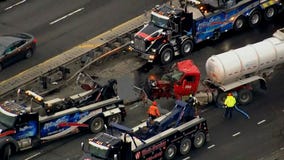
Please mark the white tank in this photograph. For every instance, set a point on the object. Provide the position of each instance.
(249, 60)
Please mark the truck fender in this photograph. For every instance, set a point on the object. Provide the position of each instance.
(162, 47)
(113, 115)
(111, 112)
(9, 140)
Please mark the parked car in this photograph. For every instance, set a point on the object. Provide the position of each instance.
(14, 47)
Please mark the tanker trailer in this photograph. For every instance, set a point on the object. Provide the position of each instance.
(237, 69)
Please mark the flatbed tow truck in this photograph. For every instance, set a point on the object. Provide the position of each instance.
(27, 125)
(176, 132)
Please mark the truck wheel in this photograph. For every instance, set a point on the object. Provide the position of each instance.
(239, 23)
(199, 139)
(167, 55)
(244, 96)
(29, 54)
(254, 18)
(269, 13)
(6, 152)
(97, 125)
(221, 99)
(170, 152)
(116, 118)
(186, 47)
(185, 146)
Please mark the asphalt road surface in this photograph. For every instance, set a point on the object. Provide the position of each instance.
(60, 25)
(256, 138)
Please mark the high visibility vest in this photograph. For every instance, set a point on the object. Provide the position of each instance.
(230, 101)
(154, 111)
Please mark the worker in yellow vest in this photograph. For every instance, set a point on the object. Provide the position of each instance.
(229, 103)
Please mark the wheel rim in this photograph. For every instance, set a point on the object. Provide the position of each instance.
(187, 48)
(185, 146)
(171, 152)
(255, 19)
(29, 54)
(239, 23)
(244, 97)
(199, 139)
(167, 56)
(270, 12)
(114, 119)
(97, 124)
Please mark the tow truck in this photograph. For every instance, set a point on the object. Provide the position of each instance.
(174, 29)
(176, 132)
(27, 125)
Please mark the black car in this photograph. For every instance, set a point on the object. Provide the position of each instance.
(15, 47)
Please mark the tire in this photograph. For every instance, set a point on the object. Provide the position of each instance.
(244, 96)
(170, 152)
(221, 99)
(254, 19)
(199, 139)
(6, 152)
(216, 35)
(239, 23)
(97, 124)
(116, 118)
(1, 67)
(167, 55)
(185, 146)
(29, 54)
(186, 47)
(269, 13)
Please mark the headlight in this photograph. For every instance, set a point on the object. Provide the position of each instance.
(153, 50)
(132, 42)
(152, 57)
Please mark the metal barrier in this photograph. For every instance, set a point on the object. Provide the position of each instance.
(96, 50)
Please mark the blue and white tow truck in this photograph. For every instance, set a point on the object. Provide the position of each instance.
(175, 28)
(27, 125)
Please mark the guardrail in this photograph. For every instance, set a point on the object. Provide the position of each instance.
(98, 49)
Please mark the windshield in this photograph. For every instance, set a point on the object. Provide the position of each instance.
(6, 118)
(160, 21)
(173, 76)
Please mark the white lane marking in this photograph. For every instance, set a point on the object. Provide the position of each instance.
(33, 156)
(186, 158)
(262, 121)
(18, 3)
(67, 15)
(238, 133)
(282, 148)
(213, 145)
(133, 107)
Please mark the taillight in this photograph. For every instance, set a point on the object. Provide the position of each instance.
(35, 40)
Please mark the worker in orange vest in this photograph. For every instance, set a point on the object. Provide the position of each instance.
(153, 110)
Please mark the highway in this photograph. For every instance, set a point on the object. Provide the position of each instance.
(58, 26)
(236, 139)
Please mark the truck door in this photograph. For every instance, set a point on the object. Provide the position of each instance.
(185, 86)
(26, 126)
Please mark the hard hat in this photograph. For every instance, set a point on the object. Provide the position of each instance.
(154, 103)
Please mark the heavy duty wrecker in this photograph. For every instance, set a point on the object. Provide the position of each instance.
(174, 29)
(24, 126)
(164, 138)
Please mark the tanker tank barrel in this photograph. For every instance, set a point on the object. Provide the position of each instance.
(252, 59)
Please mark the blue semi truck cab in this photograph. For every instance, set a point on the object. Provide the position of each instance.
(175, 28)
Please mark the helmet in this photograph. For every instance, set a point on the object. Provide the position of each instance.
(154, 103)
